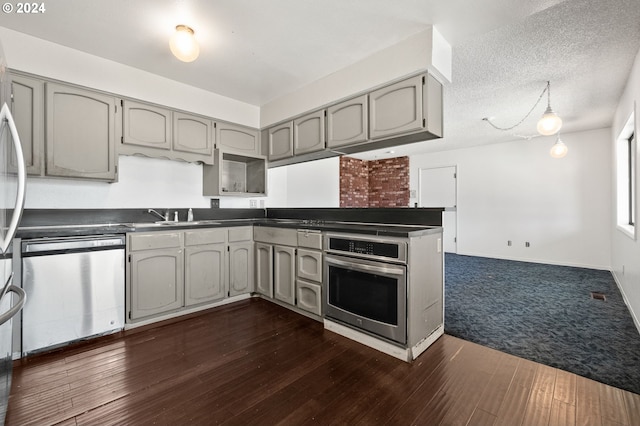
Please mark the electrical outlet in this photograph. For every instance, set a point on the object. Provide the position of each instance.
(215, 203)
(253, 204)
(509, 243)
(527, 244)
(412, 193)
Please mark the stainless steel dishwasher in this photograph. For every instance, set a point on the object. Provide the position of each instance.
(75, 287)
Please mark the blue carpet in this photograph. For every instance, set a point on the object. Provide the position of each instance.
(544, 313)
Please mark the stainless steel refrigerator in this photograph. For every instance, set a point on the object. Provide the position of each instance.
(12, 190)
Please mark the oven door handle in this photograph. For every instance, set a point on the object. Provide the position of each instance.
(384, 270)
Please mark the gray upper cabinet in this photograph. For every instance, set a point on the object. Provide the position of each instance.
(396, 109)
(28, 111)
(146, 125)
(280, 142)
(80, 133)
(308, 133)
(347, 122)
(237, 139)
(192, 134)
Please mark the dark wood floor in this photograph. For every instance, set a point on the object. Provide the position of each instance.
(254, 362)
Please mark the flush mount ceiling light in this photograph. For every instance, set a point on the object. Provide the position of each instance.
(559, 149)
(183, 44)
(549, 124)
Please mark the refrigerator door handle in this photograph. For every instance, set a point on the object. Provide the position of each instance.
(5, 116)
(9, 287)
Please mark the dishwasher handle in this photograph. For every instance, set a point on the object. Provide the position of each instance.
(41, 246)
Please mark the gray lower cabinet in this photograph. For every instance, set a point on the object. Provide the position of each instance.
(308, 133)
(348, 122)
(284, 274)
(80, 133)
(309, 265)
(170, 270)
(27, 107)
(155, 273)
(241, 268)
(205, 273)
(264, 269)
(237, 139)
(280, 141)
(309, 272)
(309, 296)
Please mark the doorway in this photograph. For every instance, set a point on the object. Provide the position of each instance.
(438, 188)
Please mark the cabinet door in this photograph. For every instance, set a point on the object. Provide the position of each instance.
(309, 296)
(192, 134)
(309, 265)
(308, 133)
(238, 139)
(264, 269)
(284, 273)
(205, 268)
(240, 268)
(157, 283)
(348, 122)
(146, 125)
(80, 129)
(28, 111)
(396, 108)
(281, 141)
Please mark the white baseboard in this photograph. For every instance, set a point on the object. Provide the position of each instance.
(636, 322)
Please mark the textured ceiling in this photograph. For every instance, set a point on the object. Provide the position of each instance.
(256, 50)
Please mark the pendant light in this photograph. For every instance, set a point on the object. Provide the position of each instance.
(559, 149)
(183, 44)
(549, 124)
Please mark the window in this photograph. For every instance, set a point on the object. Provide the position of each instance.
(626, 152)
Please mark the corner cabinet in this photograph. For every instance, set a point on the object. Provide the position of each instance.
(80, 133)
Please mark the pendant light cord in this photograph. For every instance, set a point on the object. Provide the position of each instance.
(546, 90)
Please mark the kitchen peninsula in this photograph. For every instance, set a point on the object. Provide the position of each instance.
(282, 255)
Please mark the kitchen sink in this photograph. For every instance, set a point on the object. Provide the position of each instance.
(169, 224)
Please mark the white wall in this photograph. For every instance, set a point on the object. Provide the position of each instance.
(142, 182)
(311, 184)
(516, 191)
(625, 251)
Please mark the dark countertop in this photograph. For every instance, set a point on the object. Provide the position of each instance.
(390, 230)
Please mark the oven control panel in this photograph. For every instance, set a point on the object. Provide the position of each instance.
(389, 250)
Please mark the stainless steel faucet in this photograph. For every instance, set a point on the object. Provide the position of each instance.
(164, 217)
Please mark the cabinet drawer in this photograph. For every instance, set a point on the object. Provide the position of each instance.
(241, 233)
(310, 239)
(309, 265)
(155, 240)
(205, 236)
(282, 236)
(309, 297)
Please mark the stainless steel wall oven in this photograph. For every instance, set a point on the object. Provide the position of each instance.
(366, 284)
